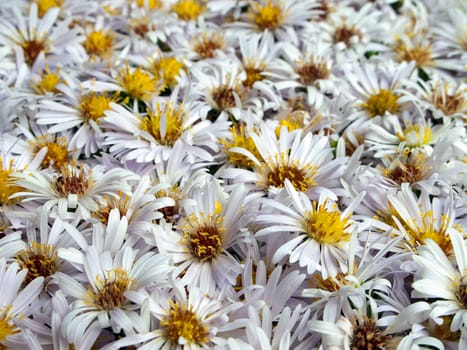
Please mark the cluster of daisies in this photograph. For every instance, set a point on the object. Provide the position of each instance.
(233, 174)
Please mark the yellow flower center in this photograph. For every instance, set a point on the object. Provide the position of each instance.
(345, 33)
(167, 69)
(292, 122)
(443, 331)
(420, 53)
(48, 82)
(138, 84)
(207, 44)
(417, 135)
(39, 259)
(410, 169)
(57, 150)
(204, 239)
(326, 225)
(165, 124)
(311, 71)
(73, 179)
(266, 17)
(274, 173)
(184, 323)
(110, 292)
(7, 185)
(45, 5)
(253, 74)
(188, 10)
(93, 106)
(151, 4)
(449, 104)
(224, 97)
(109, 202)
(7, 327)
(367, 336)
(99, 43)
(32, 49)
(240, 138)
(381, 102)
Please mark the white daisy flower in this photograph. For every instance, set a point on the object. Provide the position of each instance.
(46, 37)
(320, 232)
(201, 245)
(279, 17)
(15, 305)
(151, 137)
(418, 219)
(305, 160)
(105, 296)
(182, 319)
(443, 281)
(80, 111)
(76, 187)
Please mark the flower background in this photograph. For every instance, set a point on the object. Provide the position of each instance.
(272, 174)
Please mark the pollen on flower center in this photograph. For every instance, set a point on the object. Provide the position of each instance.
(253, 74)
(152, 4)
(165, 124)
(292, 122)
(429, 230)
(110, 292)
(188, 10)
(207, 44)
(204, 240)
(326, 225)
(32, 49)
(72, 180)
(312, 70)
(45, 5)
(94, 105)
(7, 327)
(275, 173)
(184, 323)
(421, 54)
(138, 83)
(449, 104)
(48, 81)
(121, 203)
(417, 135)
(381, 102)
(39, 259)
(167, 69)
(7, 185)
(57, 150)
(241, 139)
(461, 295)
(345, 33)
(99, 43)
(224, 97)
(267, 17)
(367, 336)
